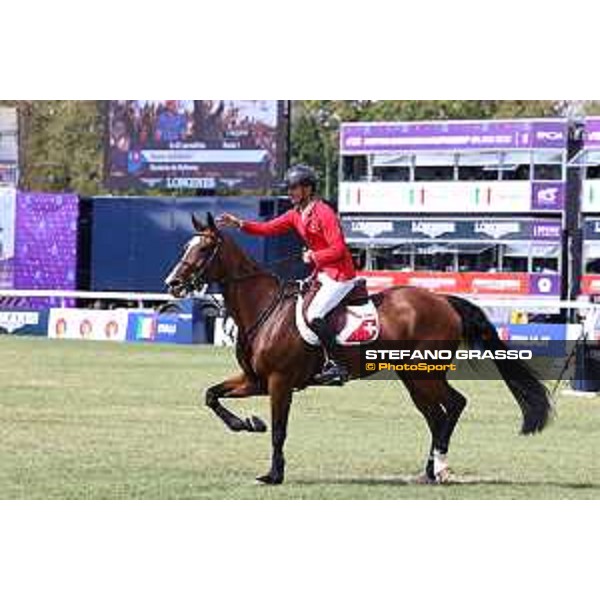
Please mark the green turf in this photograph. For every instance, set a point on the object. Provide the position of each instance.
(102, 420)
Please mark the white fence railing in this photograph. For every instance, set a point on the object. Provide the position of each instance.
(138, 297)
(512, 303)
(530, 304)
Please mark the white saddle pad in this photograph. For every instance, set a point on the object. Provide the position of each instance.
(362, 325)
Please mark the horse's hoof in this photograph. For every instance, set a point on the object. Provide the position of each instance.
(237, 425)
(443, 476)
(424, 479)
(256, 424)
(270, 479)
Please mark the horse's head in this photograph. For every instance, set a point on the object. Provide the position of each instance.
(199, 263)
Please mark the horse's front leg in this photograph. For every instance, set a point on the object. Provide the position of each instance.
(240, 386)
(280, 391)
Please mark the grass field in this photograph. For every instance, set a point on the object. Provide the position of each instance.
(101, 420)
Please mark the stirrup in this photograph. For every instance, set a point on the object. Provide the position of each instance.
(332, 374)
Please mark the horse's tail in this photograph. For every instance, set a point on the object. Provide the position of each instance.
(531, 394)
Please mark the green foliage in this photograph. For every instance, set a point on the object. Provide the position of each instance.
(590, 107)
(62, 145)
(306, 141)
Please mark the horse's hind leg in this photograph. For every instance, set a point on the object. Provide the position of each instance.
(454, 405)
(440, 405)
(240, 386)
(280, 390)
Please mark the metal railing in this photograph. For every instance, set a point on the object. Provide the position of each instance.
(63, 295)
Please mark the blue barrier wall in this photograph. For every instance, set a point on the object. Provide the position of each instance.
(136, 241)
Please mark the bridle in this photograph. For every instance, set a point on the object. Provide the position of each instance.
(197, 283)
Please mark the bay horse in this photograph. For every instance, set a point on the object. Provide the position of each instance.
(275, 360)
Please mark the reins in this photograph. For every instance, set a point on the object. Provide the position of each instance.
(196, 283)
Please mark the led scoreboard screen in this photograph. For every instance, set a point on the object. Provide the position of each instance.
(195, 144)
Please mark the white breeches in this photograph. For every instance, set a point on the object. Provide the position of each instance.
(329, 295)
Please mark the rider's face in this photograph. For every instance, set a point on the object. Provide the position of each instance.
(300, 193)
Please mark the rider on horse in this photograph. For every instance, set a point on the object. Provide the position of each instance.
(317, 224)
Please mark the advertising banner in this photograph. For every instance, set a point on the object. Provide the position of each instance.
(590, 197)
(534, 332)
(591, 229)
(225, 332)
(24, 322)
(147, 326)
(548, 195)
(82, 324)
(546, 230)
(141, 326)
(450, 197)
(590, 285)
(470, 283)
(591, 138)
(394, 231)
(452, 135)
(544, 284)
(545, 339)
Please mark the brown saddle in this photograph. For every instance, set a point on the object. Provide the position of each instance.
(336, 319)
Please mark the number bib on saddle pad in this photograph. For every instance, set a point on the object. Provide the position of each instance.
(355, 321)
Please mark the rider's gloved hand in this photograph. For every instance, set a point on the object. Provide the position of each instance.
(229, 220)
(307, 257)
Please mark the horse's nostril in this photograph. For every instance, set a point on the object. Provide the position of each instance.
(176, 288)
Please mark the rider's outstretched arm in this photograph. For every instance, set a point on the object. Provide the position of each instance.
(275, 226)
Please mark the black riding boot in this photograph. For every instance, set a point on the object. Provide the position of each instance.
(332, 372)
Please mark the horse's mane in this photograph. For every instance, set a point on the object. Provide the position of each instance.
(245, 259)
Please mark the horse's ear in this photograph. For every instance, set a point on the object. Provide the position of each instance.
(211, 221)
(198, 225)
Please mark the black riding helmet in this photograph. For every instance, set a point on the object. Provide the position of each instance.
(301, 175)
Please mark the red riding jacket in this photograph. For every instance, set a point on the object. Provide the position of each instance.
(320, 230)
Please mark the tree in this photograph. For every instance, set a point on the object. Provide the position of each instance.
(62, 145)
(588, 107)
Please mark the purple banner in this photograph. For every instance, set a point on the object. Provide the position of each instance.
(548, 195)
(389, 137)
(46, 243)
(546, 230)
(544, 284)
(591, 139)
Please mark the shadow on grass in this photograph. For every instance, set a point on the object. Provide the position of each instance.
(455, 481)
